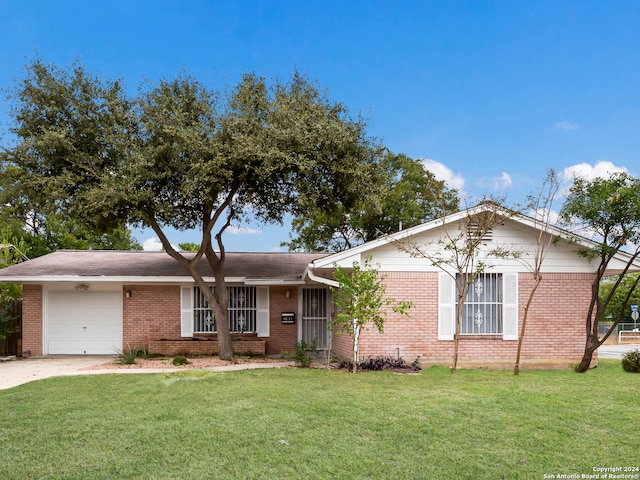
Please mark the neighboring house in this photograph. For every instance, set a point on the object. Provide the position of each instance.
(97, 302)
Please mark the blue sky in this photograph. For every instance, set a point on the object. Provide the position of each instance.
(490, 93)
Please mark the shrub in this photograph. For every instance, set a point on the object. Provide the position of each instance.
(180, 360)
(128, 357)
(383, 363)
(631, 361)
(302, 353)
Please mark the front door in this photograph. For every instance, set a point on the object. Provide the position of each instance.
(315, 317)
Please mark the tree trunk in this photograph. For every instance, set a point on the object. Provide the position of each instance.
(356, 345)
(590, 347)
(516, 367)
(225, 344)
(456, 336)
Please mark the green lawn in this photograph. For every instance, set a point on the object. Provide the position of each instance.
(301, 423)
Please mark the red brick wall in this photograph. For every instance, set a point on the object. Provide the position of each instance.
(282, 337)
(151, 313)
(555, 328)
(31, 320)
(189, 346)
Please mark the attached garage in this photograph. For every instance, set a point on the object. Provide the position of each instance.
(81, 322)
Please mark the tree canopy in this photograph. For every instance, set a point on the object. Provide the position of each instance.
(181, 154)
(65, 132)
(408, 195)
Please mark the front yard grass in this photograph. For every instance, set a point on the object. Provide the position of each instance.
(316, 424)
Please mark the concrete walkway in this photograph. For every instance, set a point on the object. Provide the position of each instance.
(20, 371)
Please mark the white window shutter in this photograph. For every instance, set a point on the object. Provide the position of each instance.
(446, 306)
(510, 306)
(262, 313)
(186, 311)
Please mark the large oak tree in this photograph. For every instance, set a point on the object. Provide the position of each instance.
(181, 154)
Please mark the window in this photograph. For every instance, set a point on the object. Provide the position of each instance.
(241, 311)
(482, 309)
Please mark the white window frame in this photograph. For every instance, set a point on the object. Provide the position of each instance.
(190, 304)
(482, 312)
(447, 307)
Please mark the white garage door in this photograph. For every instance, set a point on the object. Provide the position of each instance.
(86, 323)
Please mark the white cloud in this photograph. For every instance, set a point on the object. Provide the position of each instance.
(503, 181)
(602, 169)
(152, 245)
(233, 230)
(566, 126)
(444, 173)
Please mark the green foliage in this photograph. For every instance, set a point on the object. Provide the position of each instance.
(13, 250)
(180, 360)
(404, 194)
(183, 155)
(189, 247)
(610, 209)
(361, 301)
(620, 295)
(631, 361)
(302, 353)
(68, 128)
(127, 356)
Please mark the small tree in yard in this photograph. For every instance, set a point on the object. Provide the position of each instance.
(541, 206)
(609, 210)
(456, 254)
(360, 298)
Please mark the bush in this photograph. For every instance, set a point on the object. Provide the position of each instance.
(128, 357)
(631, 361)
(302, 353)
(383, 363)
(180, 360)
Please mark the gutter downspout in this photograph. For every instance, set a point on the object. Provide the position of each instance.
(315, 278)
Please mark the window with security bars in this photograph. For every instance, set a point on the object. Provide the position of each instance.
(482, 309)
(241, 310)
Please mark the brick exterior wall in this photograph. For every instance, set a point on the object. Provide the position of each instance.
(555, 327)
(151, 313)
(31, 320)
(199, 346)
(555, 330)
(282, 336)
(151, 318)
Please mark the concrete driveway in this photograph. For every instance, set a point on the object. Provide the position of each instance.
(24, 370)
(19, 371)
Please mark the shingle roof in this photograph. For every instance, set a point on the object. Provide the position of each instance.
(109, 263)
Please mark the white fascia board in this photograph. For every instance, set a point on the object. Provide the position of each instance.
(103, 279)
(272, 281)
